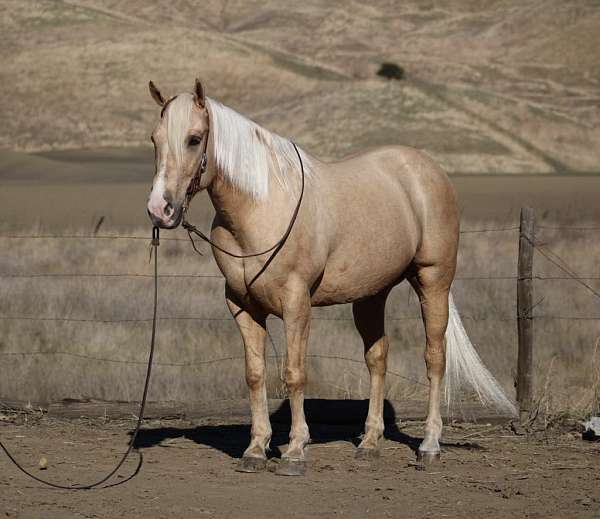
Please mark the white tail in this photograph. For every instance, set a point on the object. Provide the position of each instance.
(463, 365)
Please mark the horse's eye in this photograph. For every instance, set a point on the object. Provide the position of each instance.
(194, 140)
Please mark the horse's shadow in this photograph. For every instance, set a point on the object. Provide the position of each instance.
(329, 421)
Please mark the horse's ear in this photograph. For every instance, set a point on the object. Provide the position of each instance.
(156, 95)
(200, 97)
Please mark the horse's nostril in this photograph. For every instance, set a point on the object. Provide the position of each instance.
(168, 209)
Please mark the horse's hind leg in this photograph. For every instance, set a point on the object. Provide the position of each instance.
(432, 284)
(369, 321)
(252, 327)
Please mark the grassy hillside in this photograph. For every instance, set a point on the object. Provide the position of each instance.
(490, 87)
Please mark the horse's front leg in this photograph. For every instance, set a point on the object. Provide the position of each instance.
(252, 326)
(296, 317)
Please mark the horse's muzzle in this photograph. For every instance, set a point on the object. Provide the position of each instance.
(169, 219)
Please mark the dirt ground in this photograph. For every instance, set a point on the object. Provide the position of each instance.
(188, 471)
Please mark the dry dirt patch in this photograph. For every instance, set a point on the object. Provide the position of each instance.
(188, 471)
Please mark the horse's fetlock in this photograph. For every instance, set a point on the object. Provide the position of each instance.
(434, 427)
(376, 426)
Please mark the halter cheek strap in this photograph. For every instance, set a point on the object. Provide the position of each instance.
(194, 185)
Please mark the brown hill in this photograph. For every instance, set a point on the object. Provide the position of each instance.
(490, 87)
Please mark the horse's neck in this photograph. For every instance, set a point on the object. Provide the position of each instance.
(242, 215)
(230, 204)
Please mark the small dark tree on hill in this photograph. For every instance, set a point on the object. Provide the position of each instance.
(391, 71)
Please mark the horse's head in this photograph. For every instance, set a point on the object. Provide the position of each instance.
(180, 144)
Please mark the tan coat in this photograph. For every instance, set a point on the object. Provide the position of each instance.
(365, 224)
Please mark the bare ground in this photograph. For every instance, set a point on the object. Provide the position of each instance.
(188, 471)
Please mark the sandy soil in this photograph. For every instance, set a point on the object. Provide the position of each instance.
(188, 471)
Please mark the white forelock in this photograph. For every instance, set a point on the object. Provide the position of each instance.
(179, 119)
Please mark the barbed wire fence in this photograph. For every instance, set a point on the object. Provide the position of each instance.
(564, 273)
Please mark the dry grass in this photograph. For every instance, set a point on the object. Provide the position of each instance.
(201, 358)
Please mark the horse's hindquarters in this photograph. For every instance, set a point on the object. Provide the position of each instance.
(385, 209)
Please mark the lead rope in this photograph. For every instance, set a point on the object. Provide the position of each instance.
(155, 243)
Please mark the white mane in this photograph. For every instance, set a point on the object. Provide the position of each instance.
(246, 153)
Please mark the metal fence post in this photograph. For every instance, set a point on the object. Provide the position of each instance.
(524, 313)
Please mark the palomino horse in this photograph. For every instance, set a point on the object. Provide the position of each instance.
(364, 224)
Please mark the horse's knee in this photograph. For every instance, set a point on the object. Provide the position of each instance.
(295, 378)
(254, 377)
(376, 356)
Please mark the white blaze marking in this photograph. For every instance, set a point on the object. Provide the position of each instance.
(156, 202)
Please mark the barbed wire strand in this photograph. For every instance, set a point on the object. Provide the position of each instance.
(220, 276)
(217, 319)
(135, 237)
(547, 253)
(207, 276)
(82, 237)
(102, 275)
(495, 229)
(275, 357)
(567, 228)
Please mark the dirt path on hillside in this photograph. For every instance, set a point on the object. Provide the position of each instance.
(188, 471)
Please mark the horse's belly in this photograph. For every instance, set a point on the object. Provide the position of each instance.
(349, 278)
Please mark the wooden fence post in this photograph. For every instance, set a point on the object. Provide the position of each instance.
(524, 313)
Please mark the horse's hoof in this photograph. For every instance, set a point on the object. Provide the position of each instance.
(364, 453)
(426, 458)
(250, 464)
(288, 467)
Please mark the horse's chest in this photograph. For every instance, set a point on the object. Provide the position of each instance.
(248, 282)
(234, 275)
